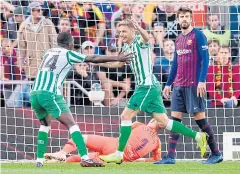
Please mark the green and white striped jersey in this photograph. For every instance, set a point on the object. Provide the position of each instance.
(141, 64)
(56, 64)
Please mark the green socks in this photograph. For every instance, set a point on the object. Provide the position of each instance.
(126, 129)
(180, 128)
(79, 141)
(42, 141)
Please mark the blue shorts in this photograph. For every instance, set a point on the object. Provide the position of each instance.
(184, 99)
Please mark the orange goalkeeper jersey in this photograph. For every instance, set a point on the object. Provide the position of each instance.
(142, 141)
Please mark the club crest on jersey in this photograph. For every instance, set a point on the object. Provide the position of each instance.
(189, 42)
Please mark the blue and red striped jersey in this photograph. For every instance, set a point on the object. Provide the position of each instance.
(191, 60)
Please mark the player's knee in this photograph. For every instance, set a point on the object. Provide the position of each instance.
(199, 116)
(177, 115)
(45, 122)
(44, 128)
(162, 120)
(125, 117)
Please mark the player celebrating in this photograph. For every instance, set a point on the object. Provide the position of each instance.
(146, 96)
(142, 141)
(188, 72)
(47, 100)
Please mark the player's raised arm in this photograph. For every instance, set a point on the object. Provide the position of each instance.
(143, 33)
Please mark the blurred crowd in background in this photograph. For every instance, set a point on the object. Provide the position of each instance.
(28, 28)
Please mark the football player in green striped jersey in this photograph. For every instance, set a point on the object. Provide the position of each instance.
(47, 100)
(147, 95)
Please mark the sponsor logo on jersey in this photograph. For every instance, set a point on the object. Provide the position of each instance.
(144, 142)
(184, 51)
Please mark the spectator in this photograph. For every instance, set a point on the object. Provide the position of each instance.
(137, 14)
(65, 26)
(162, 65)
(134, 10)
(164, 14)
(223, 81)
(213, 47)
(224, 36)
(92, 20)
(61, 9)
(159, 34)
(64, 9)
(6, 12)
(123, 13)
(36, 35)
(116, 40)
(83, 75)
(9, 68)
(13, 22)
(107, 9)
(15, 95)
(116, 82)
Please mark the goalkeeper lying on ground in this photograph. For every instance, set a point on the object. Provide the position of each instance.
(143, 140)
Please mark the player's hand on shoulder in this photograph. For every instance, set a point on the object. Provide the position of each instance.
(166, 91)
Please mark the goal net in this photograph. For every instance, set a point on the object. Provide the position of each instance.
(94, 27)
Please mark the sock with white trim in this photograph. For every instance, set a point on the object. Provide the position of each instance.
(42, 141)
(125, 132)
(177, 127)
(79, 141)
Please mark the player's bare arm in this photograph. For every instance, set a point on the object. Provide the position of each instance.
(142, 32)
(102, 59)
(111, 64)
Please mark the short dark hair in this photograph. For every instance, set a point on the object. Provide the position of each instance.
(214, 41)
(184, 10)
(64, 39)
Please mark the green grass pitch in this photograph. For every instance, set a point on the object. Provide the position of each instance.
(125, 168)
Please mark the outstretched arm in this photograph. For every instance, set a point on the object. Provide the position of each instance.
(74, 57)
(111, 64)
(103, 59)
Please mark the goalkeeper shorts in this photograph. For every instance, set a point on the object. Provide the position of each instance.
(148, 99)
(44, 103)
